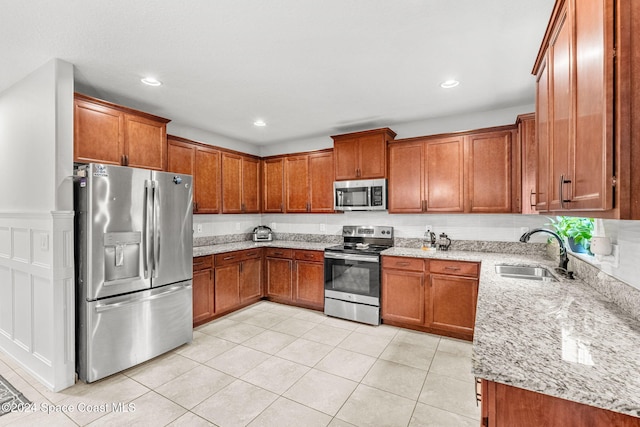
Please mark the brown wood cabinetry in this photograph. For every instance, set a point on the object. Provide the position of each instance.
(529, 159)
(507, 406)
(237, 279)
(113, 134)
(492, 172)
(273, 185)
(586, 106)
(295, 277)
(362, 155)
(309, 183)
(476, 172)
(203, 163)
(203, 290)
(435, 296)
(240, 183)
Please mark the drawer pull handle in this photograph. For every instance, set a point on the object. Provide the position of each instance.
(228, 258)
(277, 253)
(308, 256)
(452, 268)
(403, 263)
(195, 264)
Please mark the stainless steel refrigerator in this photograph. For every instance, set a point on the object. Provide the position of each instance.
(134, 256)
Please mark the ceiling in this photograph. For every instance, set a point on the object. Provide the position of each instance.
(305, 67)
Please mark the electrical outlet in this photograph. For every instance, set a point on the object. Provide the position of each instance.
(323, 227)
(237, 226)
(274, 226)
(44, 242)
(428, 228)
(199, 228)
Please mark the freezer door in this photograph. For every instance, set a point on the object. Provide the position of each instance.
(110, 231)
(173, 231)
(120, 332)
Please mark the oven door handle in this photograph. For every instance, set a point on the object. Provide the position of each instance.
(352, 257)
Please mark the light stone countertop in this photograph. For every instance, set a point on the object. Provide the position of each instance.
(562, 338)
(247, 244)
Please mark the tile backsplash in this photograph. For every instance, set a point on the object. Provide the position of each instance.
(460, 227)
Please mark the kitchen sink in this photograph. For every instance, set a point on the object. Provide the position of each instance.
(525, 272)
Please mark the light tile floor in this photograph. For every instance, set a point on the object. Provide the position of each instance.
(274, 365)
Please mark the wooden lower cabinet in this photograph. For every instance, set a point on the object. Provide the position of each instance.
(227, 293)
(295, 277)
(430, 295)
(203, 290)
(508, 406)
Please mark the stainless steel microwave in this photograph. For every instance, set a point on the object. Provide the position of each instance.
(360, 195)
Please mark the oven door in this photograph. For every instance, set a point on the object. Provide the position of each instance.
(352, 277)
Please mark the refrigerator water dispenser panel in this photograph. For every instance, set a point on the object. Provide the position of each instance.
(121, 255)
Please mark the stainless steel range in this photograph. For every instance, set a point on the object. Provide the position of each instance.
(352, 273)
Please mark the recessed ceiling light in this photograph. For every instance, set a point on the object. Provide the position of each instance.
(151, 81)
(259, 123)
(448, 84)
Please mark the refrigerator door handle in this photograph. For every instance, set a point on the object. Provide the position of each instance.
(156, 229)
(107, 307)
(146, 228)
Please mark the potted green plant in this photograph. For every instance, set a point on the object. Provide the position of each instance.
(577, 231)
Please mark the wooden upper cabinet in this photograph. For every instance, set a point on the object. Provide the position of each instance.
(542, 139)
(576, 92)
(491, 169)
(309, 183)
(529, 160)
(321, 182)
(297, 184)
(203, 163)
(273, 185)
(240, 183)
(406, 177)
(109, 133)
(362, 155)
(444, 175)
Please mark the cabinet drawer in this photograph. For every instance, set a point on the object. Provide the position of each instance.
(279, 253)
(316, 256)
(228, 258)
(202, 262)
(403, 263)
(251, 254)
(457, 268)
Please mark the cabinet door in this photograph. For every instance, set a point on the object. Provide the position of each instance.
(529, 153)
(372, 155)
(250, 185)
(227, 287)
(181, 157)
(145, 143)
(203, 295)
(278, 276)
(207, 181)
(591, 186)
(321, 182)
(490, 172)
(231, 183)
(542, 138)
(309, 282)
(406, 172)
(452, 303)
(403, 296)
(346, 153)
(273, 185)
(561, 69)
(251, 283)
(444, 175)
(297, 177)
(98, 134)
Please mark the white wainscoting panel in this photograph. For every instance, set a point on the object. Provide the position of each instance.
(37, 320)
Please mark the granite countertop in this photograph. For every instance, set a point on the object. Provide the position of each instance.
(248, 244)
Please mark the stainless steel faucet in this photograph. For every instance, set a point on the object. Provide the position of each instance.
(564, 259)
